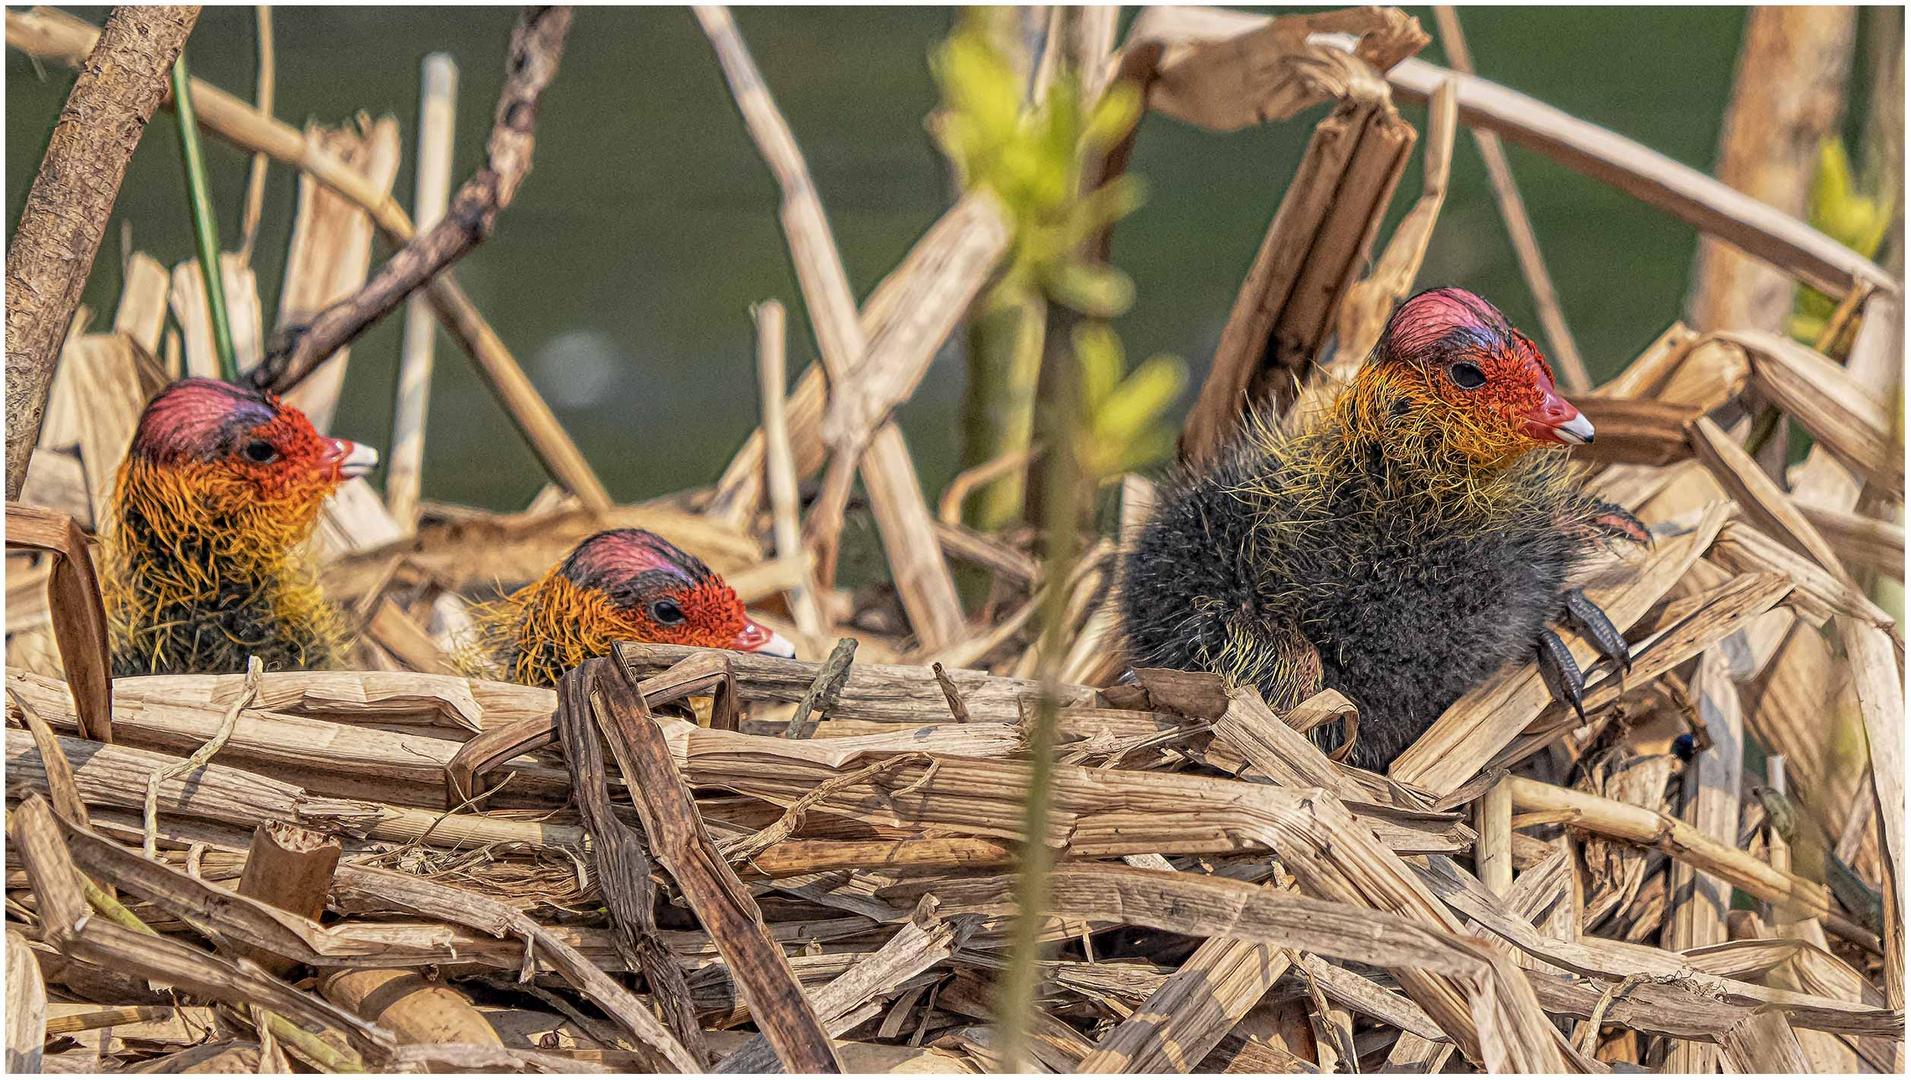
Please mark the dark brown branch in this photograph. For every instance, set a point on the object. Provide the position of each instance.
(537, 45)
(677, 837)
(121, 84)
(623, 867)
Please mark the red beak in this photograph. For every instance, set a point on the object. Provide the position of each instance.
(1555, 420)
(757, 638)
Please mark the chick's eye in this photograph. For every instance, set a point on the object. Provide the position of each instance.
(1466, 376)
(260, 452)
(666, 612)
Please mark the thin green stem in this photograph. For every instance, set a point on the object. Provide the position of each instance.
(1059, 515)
(205, 228)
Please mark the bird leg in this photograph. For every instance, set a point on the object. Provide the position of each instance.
(1556, 664)
(1561, 672)
(1587, 617)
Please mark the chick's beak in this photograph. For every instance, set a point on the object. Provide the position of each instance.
(354, 459)
(1556, 420)
(757, 638)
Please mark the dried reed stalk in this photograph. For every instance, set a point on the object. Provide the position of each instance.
(26, 1007)
(1878, 678)
(1192, 1011)
(431, 192)
(1712, 207)
(141, 314)
(1845, 417)
(1318, 239)
(923, 942)
(1640, 825)
(78, 613)
(331, 250)
(1225, 70)
(1363, 313)
(779, 466)
(623, 867)
(1698, 901)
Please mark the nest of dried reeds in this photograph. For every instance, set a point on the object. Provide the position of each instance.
(686, 860)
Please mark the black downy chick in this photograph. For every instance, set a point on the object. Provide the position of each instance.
(1401, 548)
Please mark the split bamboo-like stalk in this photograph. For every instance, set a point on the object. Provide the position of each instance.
(1318, 240)
(437, 113)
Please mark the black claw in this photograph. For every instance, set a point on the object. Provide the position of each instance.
(1561, 672)
(1599, 630)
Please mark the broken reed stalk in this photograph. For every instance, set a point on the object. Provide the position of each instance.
(411, 403)
(77, 611)
(779, 465)
(1563, 350)
(252, 211)
(623, 866)
(205, 227)
(67, 207)
(1318, 239)
(289, 867)
(537, 47)
(822, 695)
(671, 824)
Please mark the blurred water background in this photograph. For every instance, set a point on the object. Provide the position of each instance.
(623, 274)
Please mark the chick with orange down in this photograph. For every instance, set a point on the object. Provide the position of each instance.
(619, 585)
(1401, 547)
(205, 555)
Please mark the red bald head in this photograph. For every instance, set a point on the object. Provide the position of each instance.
(665, 594)
(207, 424)
(1462, 351)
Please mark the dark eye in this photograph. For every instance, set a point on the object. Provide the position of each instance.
(261, 452)
(666, 612)
(1466, 376)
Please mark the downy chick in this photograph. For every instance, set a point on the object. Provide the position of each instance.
(205, 560)
(619, 585)
(1401, 547)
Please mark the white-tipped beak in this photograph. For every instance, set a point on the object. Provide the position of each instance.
(356, 459)
(1578, 431)
(778, 645)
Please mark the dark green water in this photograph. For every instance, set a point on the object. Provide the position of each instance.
(623, 274)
